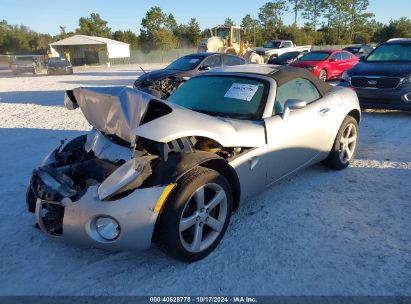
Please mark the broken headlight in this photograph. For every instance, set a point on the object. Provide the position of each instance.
(55, 185)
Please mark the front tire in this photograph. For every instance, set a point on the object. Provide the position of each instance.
(345, 145)
(196, 215)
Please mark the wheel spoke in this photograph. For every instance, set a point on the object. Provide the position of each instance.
(352, 139)
(220, 195)
(214, 224)
(199, 198)
(198, 236)
(188, 222)
(349, 129)
(348, 152)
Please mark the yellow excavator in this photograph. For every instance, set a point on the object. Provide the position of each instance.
(227, 39)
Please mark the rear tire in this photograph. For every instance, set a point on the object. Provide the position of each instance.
(345, 145)
(195, 216)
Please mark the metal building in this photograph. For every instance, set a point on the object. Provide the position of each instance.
(84, 49)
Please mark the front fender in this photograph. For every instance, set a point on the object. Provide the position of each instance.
(178, 164)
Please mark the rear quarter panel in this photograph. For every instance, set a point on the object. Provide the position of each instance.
(344, 102)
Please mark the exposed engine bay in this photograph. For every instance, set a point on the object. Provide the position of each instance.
(160, 88)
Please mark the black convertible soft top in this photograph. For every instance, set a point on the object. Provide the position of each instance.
(284, 74)
(281, 74)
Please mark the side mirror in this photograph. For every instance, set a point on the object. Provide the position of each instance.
(332, 60)
(292, 104)
(362, 58)
(204, 68)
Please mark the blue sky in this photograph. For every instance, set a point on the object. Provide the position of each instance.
(47, 16)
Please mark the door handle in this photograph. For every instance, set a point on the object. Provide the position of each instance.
(324, 111)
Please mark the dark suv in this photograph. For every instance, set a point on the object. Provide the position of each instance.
(382, 80)
(25, 64)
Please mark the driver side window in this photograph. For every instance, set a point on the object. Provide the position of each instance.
(336, 56)
(298, 88)
(213, 61)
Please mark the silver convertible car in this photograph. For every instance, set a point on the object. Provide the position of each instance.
(172, 172)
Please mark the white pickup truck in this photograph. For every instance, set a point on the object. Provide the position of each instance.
(275, 48)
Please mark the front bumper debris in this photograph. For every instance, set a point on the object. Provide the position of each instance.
(74, 221)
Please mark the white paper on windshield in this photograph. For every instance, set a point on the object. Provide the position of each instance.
(194, 60)
(241, 91)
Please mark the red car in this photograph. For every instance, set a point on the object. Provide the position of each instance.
(327, 65)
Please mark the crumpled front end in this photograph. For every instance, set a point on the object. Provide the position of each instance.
(85, 192)
(107, 188)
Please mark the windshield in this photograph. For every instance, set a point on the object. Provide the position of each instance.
(227, 96)
(58, 61)
(315, 56)
(272, 45)
(184, 63)
(223, 33)
(391, 52)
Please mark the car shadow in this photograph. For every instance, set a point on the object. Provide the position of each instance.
(44, 98)
(101, 82)
(108, 73)
(395, 114)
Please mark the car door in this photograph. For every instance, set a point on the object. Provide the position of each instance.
(335, 66)
(296, 142)
(286, 47)
(348, 61)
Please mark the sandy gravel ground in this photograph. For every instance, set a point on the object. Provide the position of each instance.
(317, 233)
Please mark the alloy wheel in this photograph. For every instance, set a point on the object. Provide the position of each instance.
(323, 75)
(203, 217)
(348, 143)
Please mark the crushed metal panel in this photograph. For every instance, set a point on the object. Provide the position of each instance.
(103, 148)
(113, 110)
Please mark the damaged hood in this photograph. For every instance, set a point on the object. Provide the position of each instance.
(120, 111)
(113, 110)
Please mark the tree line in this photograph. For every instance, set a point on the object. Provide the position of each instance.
(319, 22)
